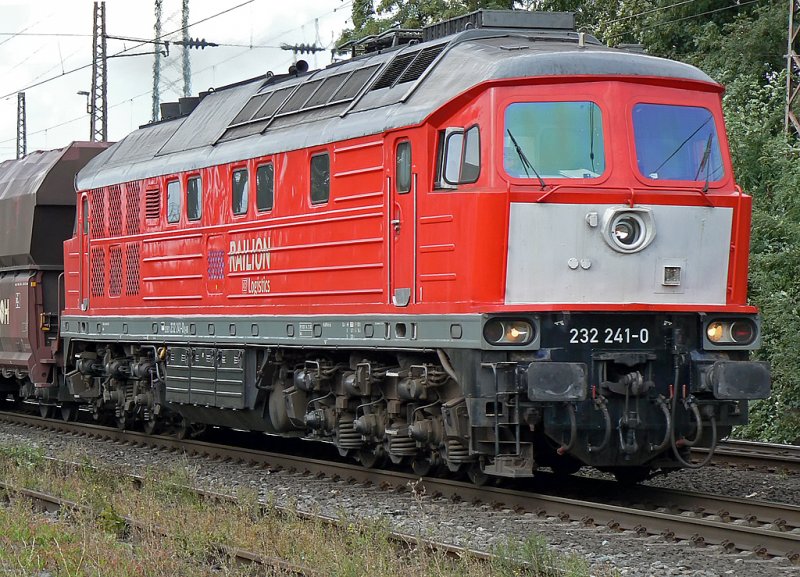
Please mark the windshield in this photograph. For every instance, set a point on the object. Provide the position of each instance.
(676, 143)
(553, 140)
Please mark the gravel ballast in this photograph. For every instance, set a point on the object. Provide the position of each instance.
(464, 524)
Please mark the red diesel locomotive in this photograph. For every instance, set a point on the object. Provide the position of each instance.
(501, 247)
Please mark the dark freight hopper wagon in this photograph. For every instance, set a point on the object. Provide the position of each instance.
(37, 213)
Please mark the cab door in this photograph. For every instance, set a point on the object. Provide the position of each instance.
(402, 183)
(83, 248)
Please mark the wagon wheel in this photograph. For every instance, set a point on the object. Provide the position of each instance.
(46, 411)
(69, 412)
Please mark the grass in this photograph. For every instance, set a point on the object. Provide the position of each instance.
(79, 543)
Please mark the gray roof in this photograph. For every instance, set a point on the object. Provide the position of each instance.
(37, 200)
(204, 138)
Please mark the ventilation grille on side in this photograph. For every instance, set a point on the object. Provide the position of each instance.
(133, 202)
(115, 210)
(115, 275)
(97, 212)
(152, 203)
(97, 268)
(132, 280)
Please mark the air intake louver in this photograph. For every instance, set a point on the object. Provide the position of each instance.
(394, 70)
(408, 67)
(420, 63)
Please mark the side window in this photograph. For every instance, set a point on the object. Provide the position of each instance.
(239, 188)
(471, 160)
(85, 215)
(453, 147)
(194, 198)
(320, 178)
(461, 156)
(173, 201)
(265, 187)
(403, 167)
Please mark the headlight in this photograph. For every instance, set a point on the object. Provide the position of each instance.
(508, 332)
(628, 230)
(731, 331)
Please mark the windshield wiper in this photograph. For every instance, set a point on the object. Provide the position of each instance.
(682, 144)
(525, 162)
(704, 163)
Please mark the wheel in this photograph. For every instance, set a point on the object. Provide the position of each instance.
(151, 426)
(476, 475)
(46, 411)
(421, 466)
(631, 475)
(370, 457)
(69, 412)
(123, 422)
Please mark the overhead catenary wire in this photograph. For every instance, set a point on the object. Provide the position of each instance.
(264, 40)
(689, 17)
(123, 51)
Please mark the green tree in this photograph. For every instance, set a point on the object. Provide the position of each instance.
(741, 45)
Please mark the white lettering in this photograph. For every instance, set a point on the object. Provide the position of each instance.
(249, 254)
(255, 286)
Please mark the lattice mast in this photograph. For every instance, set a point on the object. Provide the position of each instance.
(157, 61)
(98, 105)
(791, 121)
(186, 62)
(164, 62)
(22, 131)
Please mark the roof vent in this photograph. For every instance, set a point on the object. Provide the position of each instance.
(170, 110)
(508, 19)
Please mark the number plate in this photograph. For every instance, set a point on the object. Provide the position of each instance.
(612, 332)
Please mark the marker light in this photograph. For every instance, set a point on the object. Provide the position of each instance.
(731, 332)
(508, 332)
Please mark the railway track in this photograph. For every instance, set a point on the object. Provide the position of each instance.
(767, 529)
(761, 456)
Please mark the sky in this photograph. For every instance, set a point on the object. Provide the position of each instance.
(44, 39)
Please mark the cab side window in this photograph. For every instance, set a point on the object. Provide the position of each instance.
(194, 198)
(174, 201)
(459, 159)
(265, 187)
(403, 167)
(240, 191)
(320, 178)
